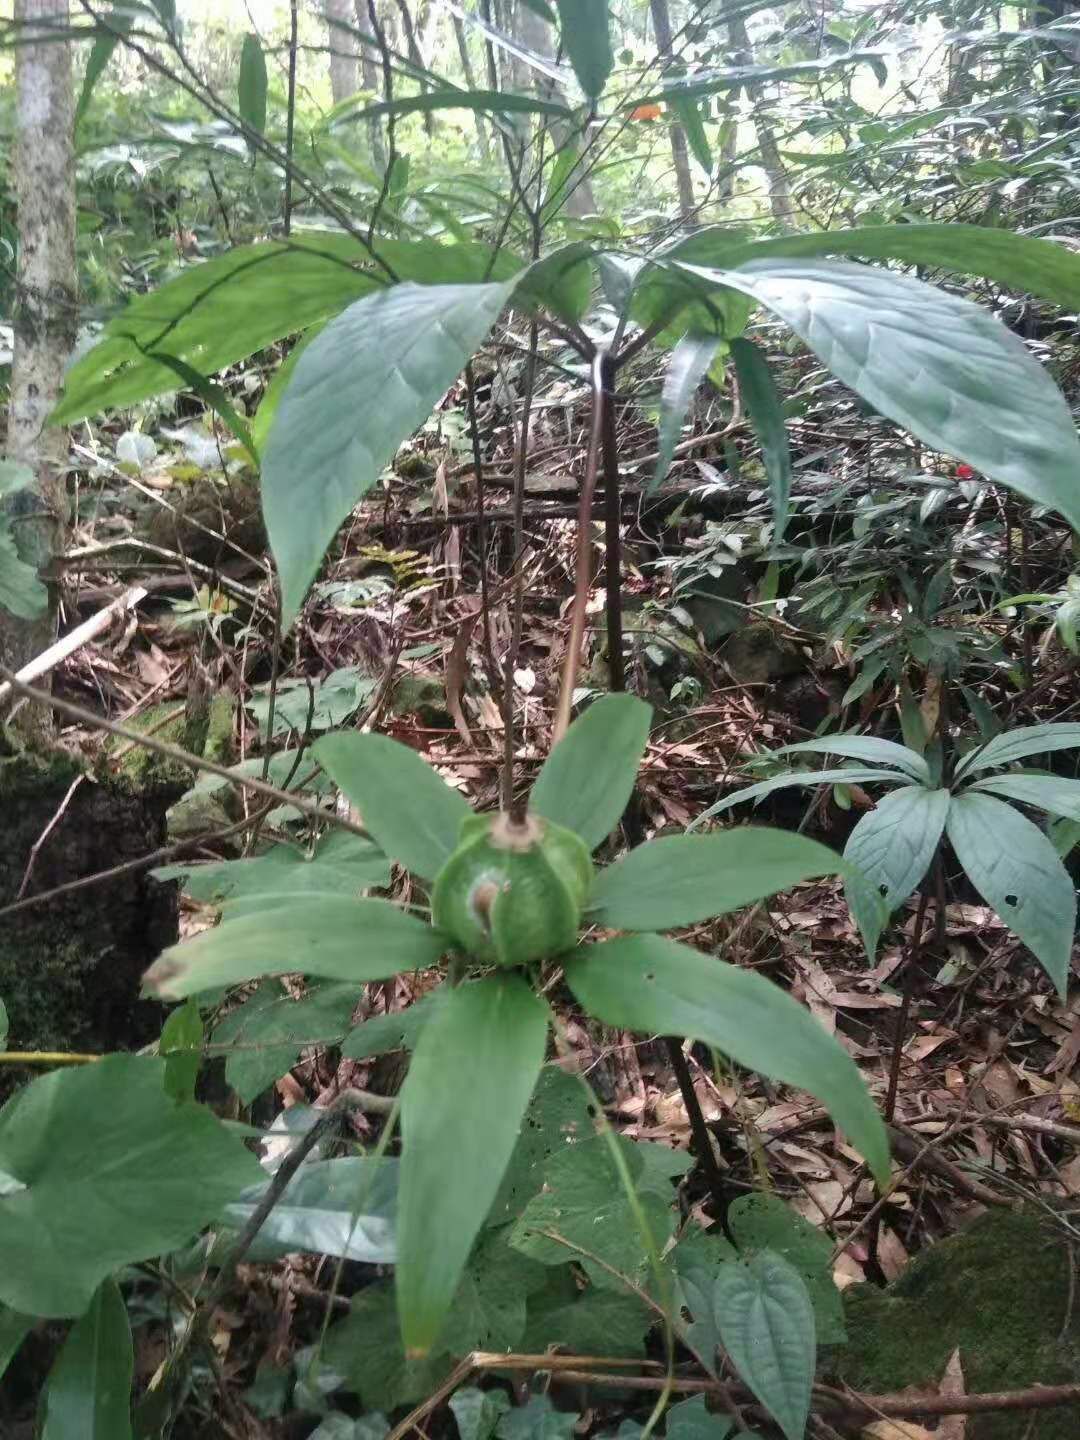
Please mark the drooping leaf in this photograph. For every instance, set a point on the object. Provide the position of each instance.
(1016, 870)
(681, 879)
(762, 400)
(113, 27)
(329, 936)
(362, 386)
(80, 1144)
(587, 780)
(180, 1047)
(344, 1207)
(470, 1080)
(88, 1392)
(689, 113)
(854, 775)
(654, 985)
(1013, 745)
(894, 843)
(761, 1221)
(766, 1323)
(586, 40)
(1052, 793)
(866, 748)
(21, 592)
(413, 814)
(251, 101)
(688, 366)
(943, 368)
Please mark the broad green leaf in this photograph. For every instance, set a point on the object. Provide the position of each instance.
(587, 780)
(88, 1392)
(21, 592)
(1016, 870)
(941, 367)
(81, 1143)
(114, 25)
(586, 41)
(761, 398)
(894, 843)
(413, 814)
(471, 1077)
(362, 386)
(343, 1207)
(180, 1047)
(213, 315)
(646, 983)
(1017, 744)
(251, 101)
(681, 879)
(477, 1411)
(851, 776)
(584, 1202)
(695, 1261)
(688, 366)
(766, 1323)
(537, 1419)
(689, 113)
(330, 936)
(263, 418)
(398, 1030)
(665, 294)
(560, 282)
(585, 1322)
(366, 1348)
(342, 864)
(1019, 262)
(690, 1420)
(761, 1221)
(558, 1118)
(866, 748)
(489, 1307)
(265, 1034)
(1052, 793)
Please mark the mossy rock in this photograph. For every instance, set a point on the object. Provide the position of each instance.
(758, 655)
(1002, 1293)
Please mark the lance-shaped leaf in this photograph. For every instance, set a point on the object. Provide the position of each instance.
(251, 100)
(654, 985)
(1018, 744)
(688, 366)
(681, 879)
(893, 844)
(864, 747)
(361, 387)
(1052, 793)
(586, 39)
(413, 814)
(762, 399)
(475, 1066)
(1016, 870)
(334, 937)
(853, 775)
(587, 780)
(766, 1324)
(88, 1392)
(941, 367)
(105, 1169)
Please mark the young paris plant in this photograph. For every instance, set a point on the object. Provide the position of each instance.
(511, 895)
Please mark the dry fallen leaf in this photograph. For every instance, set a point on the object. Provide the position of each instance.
(896, 1430)
(953, 1427)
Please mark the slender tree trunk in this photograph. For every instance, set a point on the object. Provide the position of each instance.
(46, 309)
(534, 32)
(470, 81)
(680, 154)
(780, 202)
(343, 50)
(370, 74)
(415, 56)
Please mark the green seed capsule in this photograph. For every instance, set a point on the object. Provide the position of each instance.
(513, 891)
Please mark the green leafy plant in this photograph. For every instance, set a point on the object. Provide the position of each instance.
(515, 890)
(1009, 860)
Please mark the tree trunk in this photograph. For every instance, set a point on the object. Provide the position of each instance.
(415, 56)
(780, 202)
(534, 32)
(470, 81)
(45, 311)
(343, 50)
(680, 155)
(371, 75)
